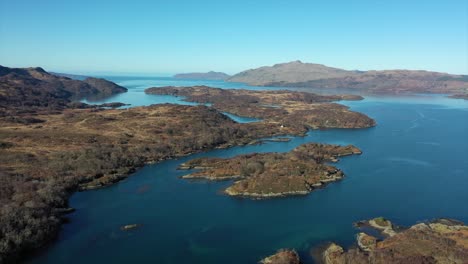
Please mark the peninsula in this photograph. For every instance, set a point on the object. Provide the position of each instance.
(294, 112)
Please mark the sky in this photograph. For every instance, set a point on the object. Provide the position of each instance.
(162, 37)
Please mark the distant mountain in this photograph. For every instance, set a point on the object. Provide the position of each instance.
(203, 75)
(35, 87)
(295, 71)
(298, 74)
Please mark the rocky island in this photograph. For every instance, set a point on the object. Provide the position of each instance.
(266, 175)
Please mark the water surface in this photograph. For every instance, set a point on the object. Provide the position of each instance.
(413, 168)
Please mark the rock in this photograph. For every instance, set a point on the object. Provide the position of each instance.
(129, 227)
(284, 256)
(64, 211)
(382, 224)
(332, 254)
(366, 242)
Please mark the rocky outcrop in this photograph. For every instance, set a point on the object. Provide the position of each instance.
(284, 256)
(129, 227)
(440, 241)
(269, 175)
(366, 242)
(332, 253)
(384, 226)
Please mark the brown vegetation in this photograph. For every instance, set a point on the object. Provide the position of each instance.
(440, 241)
(298, 74)
(283, 256)
(51, 146)
(295, 111)
(40, 163)
(33, 87)
(274, 174)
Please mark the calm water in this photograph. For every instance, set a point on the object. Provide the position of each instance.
(413, 168)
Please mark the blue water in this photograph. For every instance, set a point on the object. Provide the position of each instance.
(136, 86)
(413, 168)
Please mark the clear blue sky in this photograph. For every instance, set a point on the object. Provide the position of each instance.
(170, 36)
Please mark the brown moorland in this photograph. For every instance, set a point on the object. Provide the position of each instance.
(269, 175)
(294, 110)
(439, 241)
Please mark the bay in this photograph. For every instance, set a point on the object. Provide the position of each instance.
(413, 168)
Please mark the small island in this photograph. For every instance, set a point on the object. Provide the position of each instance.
(267, 175)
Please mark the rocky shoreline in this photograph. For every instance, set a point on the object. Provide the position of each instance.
(437, 241)
(283, 256)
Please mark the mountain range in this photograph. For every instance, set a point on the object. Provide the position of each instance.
(299, 74)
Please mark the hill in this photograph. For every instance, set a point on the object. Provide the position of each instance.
(35, 87)
(298, 74)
